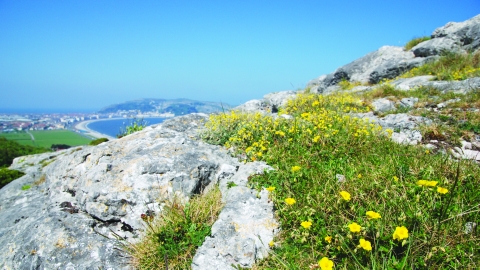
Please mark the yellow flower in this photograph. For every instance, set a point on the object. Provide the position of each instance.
(325, 264)
(365, 244)
(306, 224)
(442, 190)
(395, 179)
(290, 201)
(354, 227)
(373, 215)
(270, 189)
(271, 244)
(296, 168)
(427, 183)
(345, 195)
(359, 176)
(328, 239)
(427, 151)
(400, 233)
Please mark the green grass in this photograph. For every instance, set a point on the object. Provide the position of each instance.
(451, 66)
(414, 42)
(310, 152)
(174, 236)
(46, 138)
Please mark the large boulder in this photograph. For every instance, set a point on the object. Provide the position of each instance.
(83, 200)
(454, 36)
(386, 63)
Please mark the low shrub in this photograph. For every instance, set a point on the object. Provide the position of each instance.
(7, 176)
(98, 141)
(136, 124)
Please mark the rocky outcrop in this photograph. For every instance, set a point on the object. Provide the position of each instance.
(389, 62)
(458, 37)
(244, 228)
(83, 200)
(269, 104)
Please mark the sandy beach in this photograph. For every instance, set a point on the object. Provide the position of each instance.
(83, 128)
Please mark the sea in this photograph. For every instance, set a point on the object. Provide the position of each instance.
(113, 127)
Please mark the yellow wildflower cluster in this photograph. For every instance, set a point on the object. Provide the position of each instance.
(318, 119)
(427, 183)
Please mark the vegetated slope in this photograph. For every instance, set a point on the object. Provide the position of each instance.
(174, 106)
(375, 163)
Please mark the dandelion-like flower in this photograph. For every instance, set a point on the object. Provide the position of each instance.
(290, 201)
(345, 195)
(426, 183)
(328, 239)
(365, 244)
(325, 264)
(270, 188)
(306, 224)
(354, 227)
(400, 233)
(442, 190)
(271, 243)
(373, 215)
(296, 168)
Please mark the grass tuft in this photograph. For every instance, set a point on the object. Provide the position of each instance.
(173, 237)
(414, 42)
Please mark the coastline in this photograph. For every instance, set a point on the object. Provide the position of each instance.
(82, 127)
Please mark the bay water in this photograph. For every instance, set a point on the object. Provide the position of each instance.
(113, 127)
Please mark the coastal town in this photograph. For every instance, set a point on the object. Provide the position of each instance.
(14, 122)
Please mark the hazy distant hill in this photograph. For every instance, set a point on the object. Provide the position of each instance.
(174, 106)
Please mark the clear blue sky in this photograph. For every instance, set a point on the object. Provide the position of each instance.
(81, 54)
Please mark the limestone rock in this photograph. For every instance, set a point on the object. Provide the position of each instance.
(410, 83)
(269, 104)
(254, 105)
(408, 102)
(383, 105)
(244, 228)
(81, 203)
(386, 63)
(279, 99)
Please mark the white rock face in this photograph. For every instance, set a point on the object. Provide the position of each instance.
(90, 196)
(383, 105)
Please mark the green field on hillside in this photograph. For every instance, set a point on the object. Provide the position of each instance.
(46, 138)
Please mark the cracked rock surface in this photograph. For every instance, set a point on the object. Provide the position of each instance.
(82, 200)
